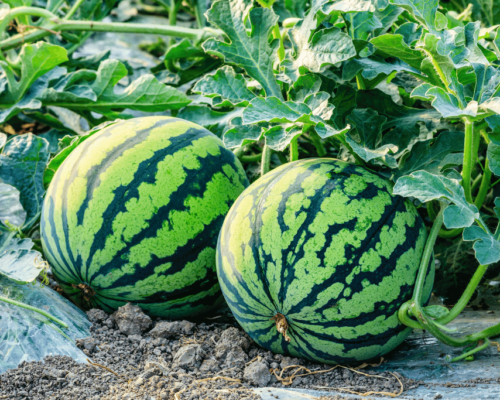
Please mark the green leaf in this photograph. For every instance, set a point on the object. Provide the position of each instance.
(372, 68)
(420, 92)
(486, 247)
(253, 53)
(279, 137)
(422, 10)
(493, 155)
(22, 162)
(430, 155)
(327, 46)
(449, 105)
(225, 87)
(304, 86)
(30, 99)
(426, 187)
(272, 109)
(494, 123)
(410, 31)
(71, 88)
(395, 46)
(403, 120)
(11, 210)
(214, 121)
(344, 102)
(362, 24)
(436, 311)
(36, 60)
(487, 82)
(238, 135)
(183, 49)
(368, 126)
(144, 94)
(3, 139)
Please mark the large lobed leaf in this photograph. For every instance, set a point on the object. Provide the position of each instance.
(252, 52)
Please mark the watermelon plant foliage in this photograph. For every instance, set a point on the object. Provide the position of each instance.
(409, 89)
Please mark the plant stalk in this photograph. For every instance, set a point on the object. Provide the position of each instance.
(265, 165)
(294, 149)
(468, 158)
(92, 26)
(251, 158)
(320, 149)
(28, 307)
(466, 296)
(73, 9)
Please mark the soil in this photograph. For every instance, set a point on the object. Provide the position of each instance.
(182, 360)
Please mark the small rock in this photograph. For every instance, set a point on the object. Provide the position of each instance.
(109, 323)
(287, 361)
(274, 365)
(97, 316)
(257, 373)
(236, 358)
(138, 382)
(209, 365)
(131, 320)
(189, 356)
(165, 329)
(135, 338)
(88, 343)
(230, 339)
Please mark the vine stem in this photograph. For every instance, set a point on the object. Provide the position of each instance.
(28, 307)
(251, 158)
(485, 181)
(320, 149)
(468, 158)
(294, 149)
(73, 9)
(20, 11)
(265, 165)
(466, 296)
(426, 256)
(92, 26)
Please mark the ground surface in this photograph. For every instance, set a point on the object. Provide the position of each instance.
(180, 360)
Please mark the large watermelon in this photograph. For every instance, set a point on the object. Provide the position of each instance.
(133, 215)
(321, 250)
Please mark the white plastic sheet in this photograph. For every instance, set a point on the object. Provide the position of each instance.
(29, 336)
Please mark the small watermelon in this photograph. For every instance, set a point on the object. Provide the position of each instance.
(316, 257)
(133, 215)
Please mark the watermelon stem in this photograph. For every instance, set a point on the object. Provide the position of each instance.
(281, 325)
(28, 307)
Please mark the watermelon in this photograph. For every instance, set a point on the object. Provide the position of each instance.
(315, 259)
(133, 215)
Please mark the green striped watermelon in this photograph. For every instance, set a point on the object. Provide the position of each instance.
(133, 215)
(316, 257)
